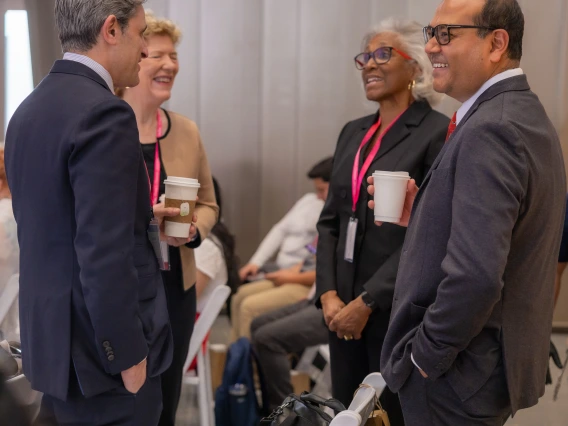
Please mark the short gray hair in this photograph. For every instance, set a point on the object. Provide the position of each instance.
(79, 22)
(412, 42)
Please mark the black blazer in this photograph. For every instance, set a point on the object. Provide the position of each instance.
(411, 145)
(91, 294)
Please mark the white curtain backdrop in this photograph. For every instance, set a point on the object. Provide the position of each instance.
(45, 47)
(271, 83)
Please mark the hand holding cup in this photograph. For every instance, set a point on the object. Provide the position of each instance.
(181, 193)
(410, 195)
(177, 242)
(161, 211)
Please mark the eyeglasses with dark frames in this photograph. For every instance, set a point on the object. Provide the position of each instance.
(442, 32)
(381, 56)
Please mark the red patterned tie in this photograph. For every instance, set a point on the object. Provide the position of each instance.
(451, 127)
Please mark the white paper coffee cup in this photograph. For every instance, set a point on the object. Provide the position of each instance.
(390, 193)
(181, 193)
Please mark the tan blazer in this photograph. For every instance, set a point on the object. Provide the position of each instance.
(183, 155)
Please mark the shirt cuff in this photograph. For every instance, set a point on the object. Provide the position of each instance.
(195, 241)
(414, 362)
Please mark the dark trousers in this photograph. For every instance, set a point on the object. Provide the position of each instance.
(181, 308)
(352, 361)
(427, 402)
(117, 407)
(276, 334)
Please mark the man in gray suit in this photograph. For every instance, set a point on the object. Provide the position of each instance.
(471, 318)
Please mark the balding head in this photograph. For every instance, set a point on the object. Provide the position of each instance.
(475, 40)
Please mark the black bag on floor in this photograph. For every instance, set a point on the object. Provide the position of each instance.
(303, 410)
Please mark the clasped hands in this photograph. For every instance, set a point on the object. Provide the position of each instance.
(160, 212)
(347, 321)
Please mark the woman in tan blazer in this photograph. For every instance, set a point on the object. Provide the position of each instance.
(176, 141)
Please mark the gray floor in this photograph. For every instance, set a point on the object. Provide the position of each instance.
(546, 413)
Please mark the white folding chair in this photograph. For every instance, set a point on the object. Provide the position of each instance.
(202, 327)
(322, 378)
(363, 404)
(9, 295)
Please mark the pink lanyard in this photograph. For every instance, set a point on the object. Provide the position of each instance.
(157, 166)
(357, 176)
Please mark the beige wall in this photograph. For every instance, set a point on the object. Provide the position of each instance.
(271, 83)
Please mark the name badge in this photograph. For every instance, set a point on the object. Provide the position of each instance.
(350, 240)
(160, 247)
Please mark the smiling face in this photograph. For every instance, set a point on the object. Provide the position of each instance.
(129, 51)
(462, 66)
(386, 80)
(158, 71)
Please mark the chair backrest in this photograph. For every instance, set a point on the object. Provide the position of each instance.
(9, 295)
(205, 321)
(377, 381)
(305, 364)
(363, 403)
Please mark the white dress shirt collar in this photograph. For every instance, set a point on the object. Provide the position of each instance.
(462, 111)
(92, 64)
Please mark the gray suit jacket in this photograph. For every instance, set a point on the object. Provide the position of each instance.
(475, 281)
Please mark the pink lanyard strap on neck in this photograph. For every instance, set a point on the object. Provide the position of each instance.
(358, 176)
(157, 165)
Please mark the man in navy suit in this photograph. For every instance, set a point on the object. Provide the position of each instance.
(94, 322)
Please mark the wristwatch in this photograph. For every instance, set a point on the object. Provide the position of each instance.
(368, 300)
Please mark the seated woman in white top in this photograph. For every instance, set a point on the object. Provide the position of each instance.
(294, 235)
(289, 237)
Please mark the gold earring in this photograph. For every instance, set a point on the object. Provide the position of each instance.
(411, 85)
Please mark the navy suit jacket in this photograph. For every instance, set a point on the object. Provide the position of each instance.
(475, 284)
(91, 294)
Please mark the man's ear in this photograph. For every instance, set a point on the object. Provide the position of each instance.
(110, 30)
(499, 45)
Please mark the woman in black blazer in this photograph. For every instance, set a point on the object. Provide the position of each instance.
(355, 290)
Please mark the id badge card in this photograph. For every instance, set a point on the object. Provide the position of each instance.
(165, 251)
(350, 240)
(160, 247)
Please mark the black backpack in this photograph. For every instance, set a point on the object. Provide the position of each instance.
(303, 410)
(236, 403)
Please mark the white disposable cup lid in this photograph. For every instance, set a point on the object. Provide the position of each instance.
(174, 180)
(393, 174)
(390, 177)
